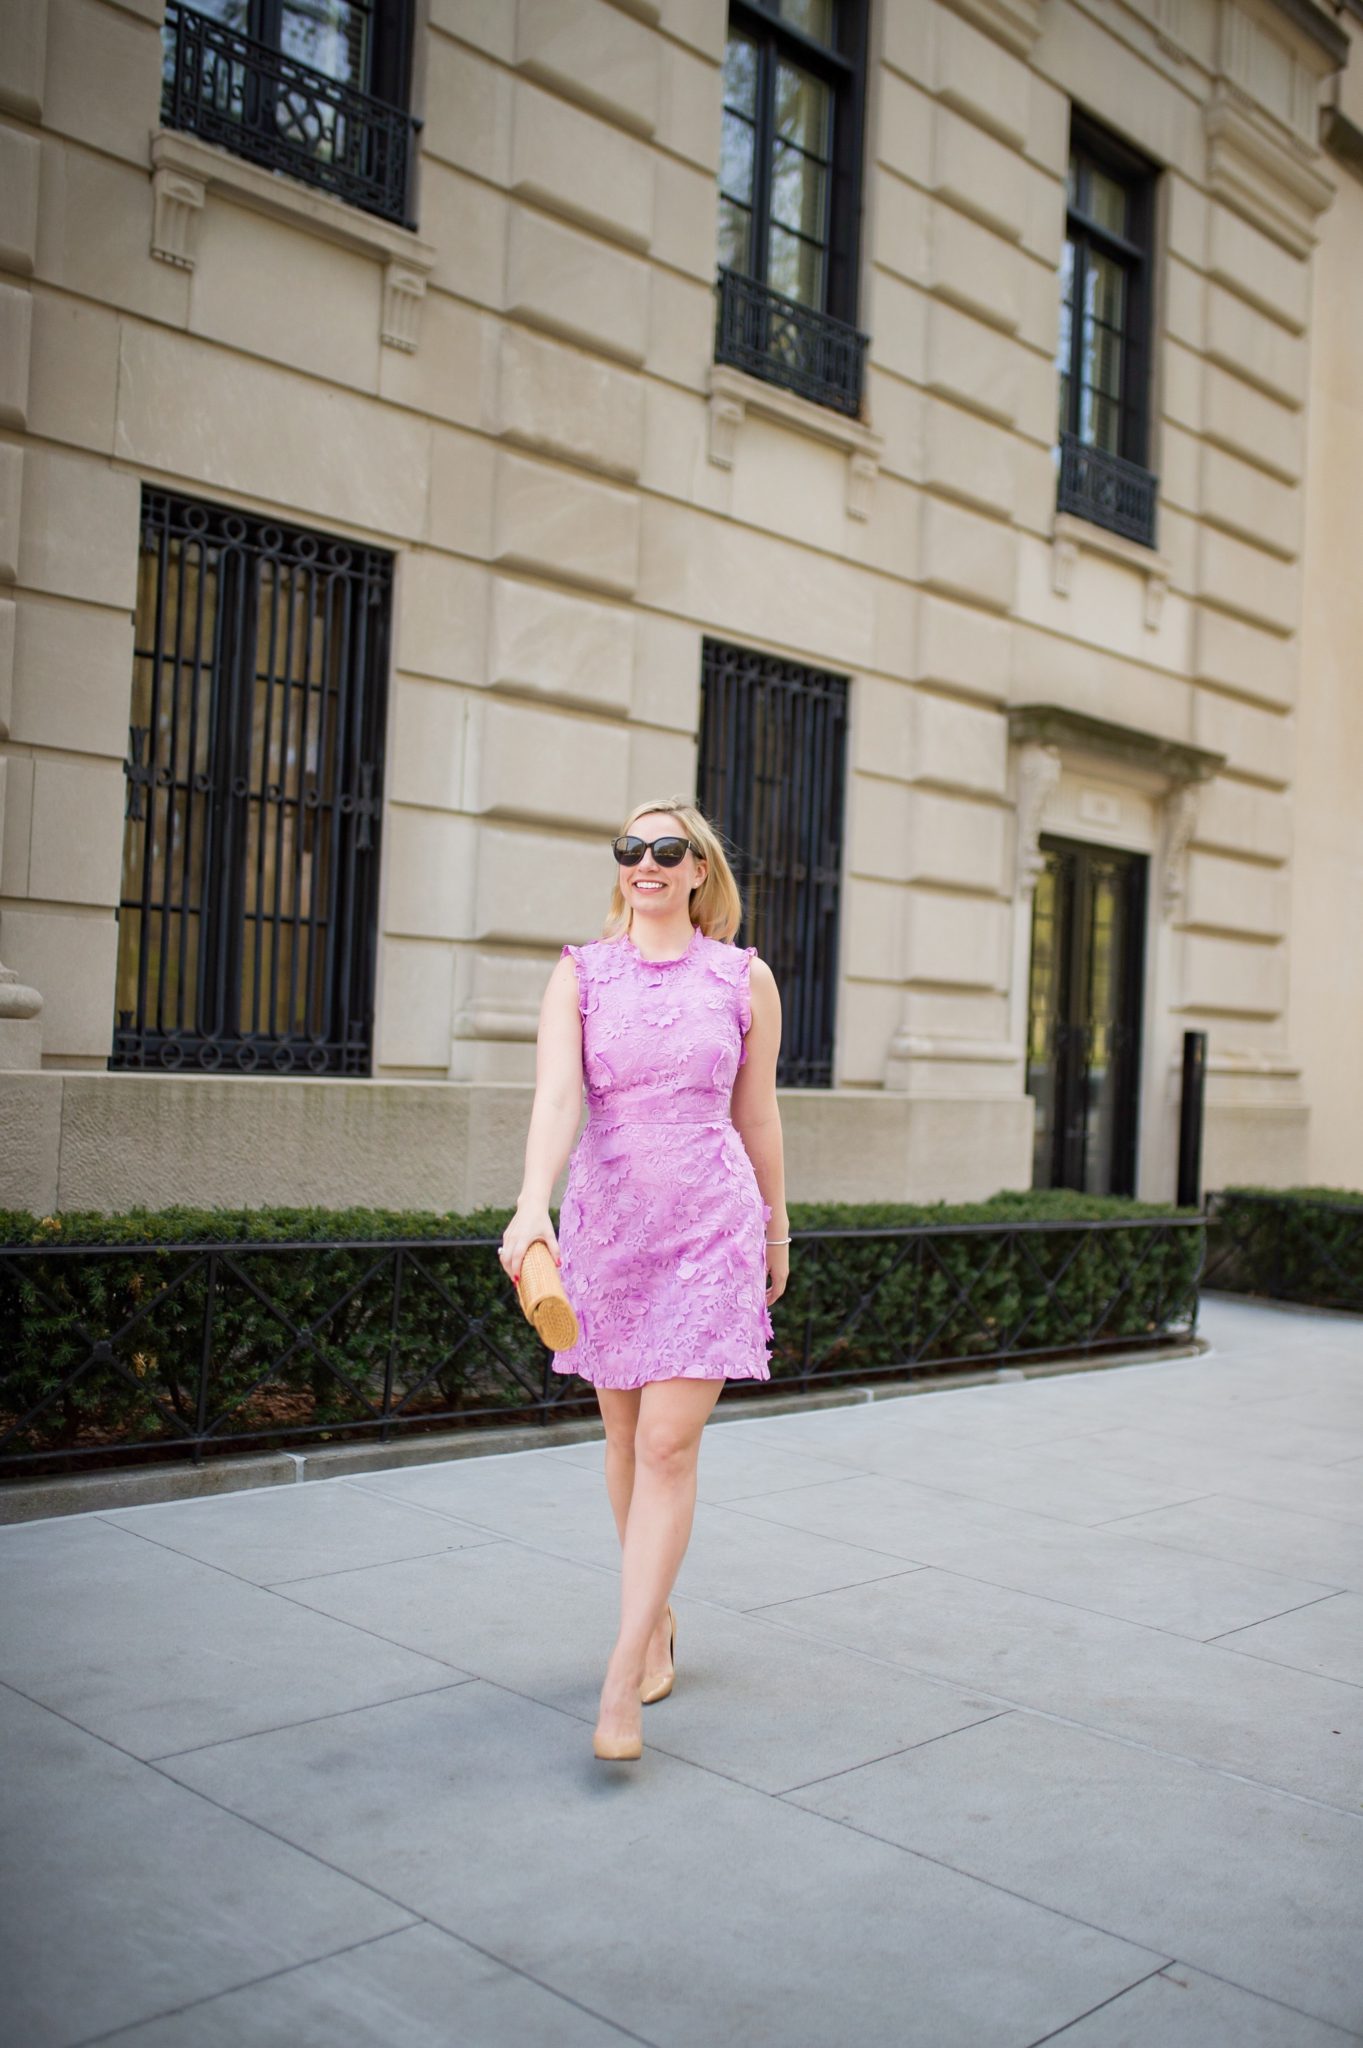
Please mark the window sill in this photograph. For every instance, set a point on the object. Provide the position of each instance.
(185, 170)
(1072, 536)
(734, 394)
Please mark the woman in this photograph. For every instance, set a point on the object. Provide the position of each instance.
(675, 1239)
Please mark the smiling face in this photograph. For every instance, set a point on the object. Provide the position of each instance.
(656, 891)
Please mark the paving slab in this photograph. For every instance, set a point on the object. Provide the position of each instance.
(733, 1559)
(756, 1702)
(1257, 1533)
(736, 1464)
(1182, 2008)
(420, 1988)
(295, 1532)
(1326, 1637)
(1288, 1729)
(675, 1903)
(158, 1653)
(122, 1894)
(1110, 1573)
(1239, 1881)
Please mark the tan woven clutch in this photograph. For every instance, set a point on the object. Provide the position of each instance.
(543, 1300)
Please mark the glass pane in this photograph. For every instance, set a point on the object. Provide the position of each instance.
(1099, 422)
(796, 268)
(1102, 1074)
(740, 75)
(330, 35)
(1104, 290)
(736, 150)
(1044, 1007)
(799, 191)
(804, 110)
(1101, 361)
(1103, 199)
(735, 237)
(815, 17)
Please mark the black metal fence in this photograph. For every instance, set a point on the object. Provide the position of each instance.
(1107, 490)
(781, 341)
(1298, 1245)
(123, 1352)
(771, 775)
(254, 792)
(250, 98)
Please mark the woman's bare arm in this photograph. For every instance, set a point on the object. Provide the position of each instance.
(757, 1117)
(554, 1115)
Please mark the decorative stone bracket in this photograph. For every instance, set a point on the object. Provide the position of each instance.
(1073, 537)
(733, 395)
(185, 171)
(1043, 731)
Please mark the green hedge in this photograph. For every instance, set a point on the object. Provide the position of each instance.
(981, 1293)
(1293, 1244)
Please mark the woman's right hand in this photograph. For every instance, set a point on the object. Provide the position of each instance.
(521, 1232)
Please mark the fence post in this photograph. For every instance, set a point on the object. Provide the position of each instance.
(1190, 1116)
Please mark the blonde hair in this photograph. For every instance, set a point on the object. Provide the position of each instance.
(716, 905)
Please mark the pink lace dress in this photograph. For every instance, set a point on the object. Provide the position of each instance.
(662, 1226)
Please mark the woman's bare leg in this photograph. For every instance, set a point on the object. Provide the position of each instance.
(620, 1413)
(672, 1414)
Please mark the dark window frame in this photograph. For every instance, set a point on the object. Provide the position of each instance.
(760, 327)
(1114, 489)
(1074, 865)
(248, 913)
(208, 66)
(772, 772)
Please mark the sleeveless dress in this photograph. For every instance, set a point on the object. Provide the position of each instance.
(662, 1227)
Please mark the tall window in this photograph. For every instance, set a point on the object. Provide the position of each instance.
(773, 745)
(789, 195)
(1104, 353)
(1084, 1017)
(254, 787)
(315, 88)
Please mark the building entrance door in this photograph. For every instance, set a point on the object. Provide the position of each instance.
(1083, 1030)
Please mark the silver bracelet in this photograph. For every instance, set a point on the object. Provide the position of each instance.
(778, 1240)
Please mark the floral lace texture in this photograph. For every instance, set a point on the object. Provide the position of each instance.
(662, 1225)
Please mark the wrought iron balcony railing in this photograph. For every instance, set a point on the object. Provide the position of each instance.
(251, 99)
(775, 338)
(1107, 490)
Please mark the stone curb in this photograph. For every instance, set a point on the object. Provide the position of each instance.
(31, 1500)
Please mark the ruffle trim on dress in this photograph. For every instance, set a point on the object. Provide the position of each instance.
(733, 966)
(563, 1363)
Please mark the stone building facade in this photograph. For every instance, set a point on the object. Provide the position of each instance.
(390, 498)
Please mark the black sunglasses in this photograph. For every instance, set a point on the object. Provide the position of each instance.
(669, 852)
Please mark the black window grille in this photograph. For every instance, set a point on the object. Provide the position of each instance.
(313, 88)
(790, 197)
(254, 786)
(1104, 352)
(773, 747)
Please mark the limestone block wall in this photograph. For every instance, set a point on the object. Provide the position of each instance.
(1326, 905)
(519, 400)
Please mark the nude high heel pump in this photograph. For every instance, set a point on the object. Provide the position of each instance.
(617, 1749)
(660, 1692)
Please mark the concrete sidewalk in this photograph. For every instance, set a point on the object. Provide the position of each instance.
(1028, 1712)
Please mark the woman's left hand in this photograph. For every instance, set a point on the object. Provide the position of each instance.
(778, 1271)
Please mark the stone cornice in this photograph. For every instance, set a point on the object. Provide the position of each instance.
(1052, 725)
(1314, 22)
